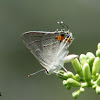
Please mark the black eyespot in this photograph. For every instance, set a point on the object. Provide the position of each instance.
(62, 35)
(67, 36)
(47, 72)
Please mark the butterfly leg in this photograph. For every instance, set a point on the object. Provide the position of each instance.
(64, 68)
(36, 72)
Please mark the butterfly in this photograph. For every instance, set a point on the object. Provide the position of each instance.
(50, 48)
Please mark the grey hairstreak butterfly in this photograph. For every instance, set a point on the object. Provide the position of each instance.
(50, 48)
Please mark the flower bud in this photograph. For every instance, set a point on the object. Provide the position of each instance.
(77, 66)
(96, 66)
(61, 71)
(71, 82)
(91, 58)
(76, 94)
(98, 53)
(84, 84)
(65, 75)
(82, 90)
(60, 75)
(98, 46)
(90, 54)
(98, 80)
(68, 87)
(98, 89)
(83, 59)
(86, 72)
(77, 77)
(70, 58)
(69, 75)
(94, 86)
(97, 75)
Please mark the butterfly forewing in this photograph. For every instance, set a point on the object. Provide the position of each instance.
(42, 44)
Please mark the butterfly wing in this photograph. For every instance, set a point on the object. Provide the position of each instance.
(41, 44)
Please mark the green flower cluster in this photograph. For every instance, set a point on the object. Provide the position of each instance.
(88, 73)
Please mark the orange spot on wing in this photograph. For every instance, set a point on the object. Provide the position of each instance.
(60, 38)
(69, 40)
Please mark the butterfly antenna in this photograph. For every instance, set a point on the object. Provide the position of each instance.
(63, 25)
(36, 72)
(66, 26)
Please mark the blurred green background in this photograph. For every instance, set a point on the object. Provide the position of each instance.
(16, 61)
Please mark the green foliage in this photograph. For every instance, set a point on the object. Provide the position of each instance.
(87, 73)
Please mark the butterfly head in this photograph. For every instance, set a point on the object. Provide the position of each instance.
(63, 25)
(63, 34)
